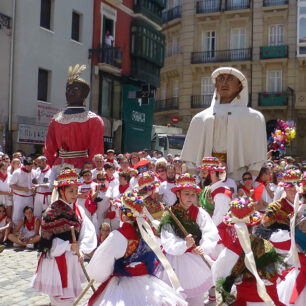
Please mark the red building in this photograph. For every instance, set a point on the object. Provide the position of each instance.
(128, 52)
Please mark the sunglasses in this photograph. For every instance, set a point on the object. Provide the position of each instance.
(279, 175)
(101, 179)
(247, 179)
(177, 161)
(142, 169)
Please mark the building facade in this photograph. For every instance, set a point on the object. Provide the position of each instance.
(127, 53)
(265, 39)
(42, 39)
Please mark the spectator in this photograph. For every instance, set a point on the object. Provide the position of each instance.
(134, 159)
(6, 195)
(16, 164)
(164, 190)
(26, 233)
(5, 225)
(110, 178)
(111, 158)
(178, 163)
(160, 169)
(267, 195)
(124, 165)
(23, 188)
(104, 232)
(99, 162)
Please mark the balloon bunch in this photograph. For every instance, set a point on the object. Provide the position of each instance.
(282, 135)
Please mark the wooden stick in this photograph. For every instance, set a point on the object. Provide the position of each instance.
(83, 293)
(82, 263)
(182, 228)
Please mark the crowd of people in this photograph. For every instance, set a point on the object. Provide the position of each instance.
(109, 190)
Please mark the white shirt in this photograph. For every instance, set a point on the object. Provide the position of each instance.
(108, 40)
(231, 184)
(5, 187)
(22, 179)
(43, 178)
(168, 197)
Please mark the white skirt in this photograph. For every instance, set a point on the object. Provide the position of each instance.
(193, 273)
(145, 290)
(285, 287)
(48, 279)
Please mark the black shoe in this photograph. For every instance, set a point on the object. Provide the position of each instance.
(8, 243)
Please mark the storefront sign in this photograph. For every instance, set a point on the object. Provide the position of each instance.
(45, 112)
(33, 134)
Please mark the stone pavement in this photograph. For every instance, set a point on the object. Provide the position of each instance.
(17, 266)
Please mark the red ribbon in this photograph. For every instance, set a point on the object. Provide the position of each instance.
(300, 281)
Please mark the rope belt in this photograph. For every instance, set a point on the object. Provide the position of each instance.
(72, 154)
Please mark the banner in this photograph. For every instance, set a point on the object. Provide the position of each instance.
(33, 134)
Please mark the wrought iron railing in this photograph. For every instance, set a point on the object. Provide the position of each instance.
(166, 104)
(202, 101)
(237, 5)
(214, 56)
(107, 55)
(208, 6)
(171, 14)
(274, 2)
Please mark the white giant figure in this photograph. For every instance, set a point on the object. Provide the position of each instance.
(228, 129)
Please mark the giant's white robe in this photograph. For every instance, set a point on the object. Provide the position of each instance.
(234, 128)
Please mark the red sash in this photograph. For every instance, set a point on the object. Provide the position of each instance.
(223, 190)
(45, 194)
(62, 267)
(283, 245)
(247, 292)
(300, 281)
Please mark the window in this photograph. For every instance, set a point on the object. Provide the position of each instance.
(238, 38)
(45, 14)
(175, 88)
(207, 86)
(76, 26)
(209, 44)
(163, 92)
(274, 81)
(43, 82)
(276, 35)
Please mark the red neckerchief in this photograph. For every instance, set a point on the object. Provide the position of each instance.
(2, 177)
(170, 182)
(260, 181)
(24, 169)
(108, 179)
(46, 169)
(193, 212)
(4, 216)
(104, 189)
(88, 182)
(122, 189)
(159, 178)
(30, 225)
(110, 161)
(246, 191)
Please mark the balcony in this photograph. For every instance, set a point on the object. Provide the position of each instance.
(268, 52)
(221, 56)
(231, 5)
(171, 14)
(150, 8)
(274, 2)
(167, 104)
(272, 99)
(202, 101)
(208, 6)
(109, 58)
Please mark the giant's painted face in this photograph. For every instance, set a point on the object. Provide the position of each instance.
(228, 87)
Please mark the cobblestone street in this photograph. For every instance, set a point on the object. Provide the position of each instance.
(18, 266)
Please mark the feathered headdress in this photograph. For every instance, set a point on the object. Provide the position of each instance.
(74, 74)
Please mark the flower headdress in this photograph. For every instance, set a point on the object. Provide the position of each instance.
(186, 181)
(67, 177)
(211, 163)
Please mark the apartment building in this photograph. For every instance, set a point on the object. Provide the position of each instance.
(39, 40)
(265, 39)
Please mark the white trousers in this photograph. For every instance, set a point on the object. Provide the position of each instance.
(39, 205)
(19, 203)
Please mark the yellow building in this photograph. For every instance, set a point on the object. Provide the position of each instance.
(265, 39)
